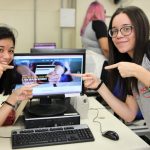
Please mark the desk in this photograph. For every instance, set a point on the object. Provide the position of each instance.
(128, 139)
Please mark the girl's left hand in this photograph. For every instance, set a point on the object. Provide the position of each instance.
(24, 92)
(126, 69)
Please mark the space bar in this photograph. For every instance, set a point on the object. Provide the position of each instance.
(37, 142)
(49, 142)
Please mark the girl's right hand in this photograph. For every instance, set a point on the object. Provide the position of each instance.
(90, 80)
(4, 67)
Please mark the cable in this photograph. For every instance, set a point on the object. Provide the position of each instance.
(97, 116)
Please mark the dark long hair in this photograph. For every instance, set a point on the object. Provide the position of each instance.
(141, 27)
(8, 77)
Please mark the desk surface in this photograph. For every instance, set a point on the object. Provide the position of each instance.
(128, 139)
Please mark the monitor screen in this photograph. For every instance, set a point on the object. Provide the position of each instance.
(52, 71)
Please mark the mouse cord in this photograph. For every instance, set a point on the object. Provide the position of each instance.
(97, 116)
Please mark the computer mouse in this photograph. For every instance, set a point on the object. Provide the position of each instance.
(111, 135)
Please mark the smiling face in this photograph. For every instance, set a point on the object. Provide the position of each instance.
(124, 43)
(6, 51)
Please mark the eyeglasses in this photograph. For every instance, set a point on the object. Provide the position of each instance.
(125, 30)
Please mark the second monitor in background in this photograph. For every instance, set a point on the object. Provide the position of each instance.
(45, 45)
(43, 50)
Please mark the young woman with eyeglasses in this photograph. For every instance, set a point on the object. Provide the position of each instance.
(129, 65)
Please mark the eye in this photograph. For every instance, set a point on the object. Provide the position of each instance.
(11, 50)
(114, 31)
(1, 50)
(126, 29)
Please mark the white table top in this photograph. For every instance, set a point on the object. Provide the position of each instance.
(128, 139)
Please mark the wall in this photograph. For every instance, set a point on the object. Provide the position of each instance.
(47, 21)
(44, 26)
(19, 15)
(37, 21)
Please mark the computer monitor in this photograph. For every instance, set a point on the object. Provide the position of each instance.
(44, 68)
(55, 50)
(45, 45)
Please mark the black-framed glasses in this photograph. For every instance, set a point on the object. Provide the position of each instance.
(125, 31)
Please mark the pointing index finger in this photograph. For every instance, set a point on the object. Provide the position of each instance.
(5, 66)
(77, 75)
(112, 66)
(9, 67)
(30, 86)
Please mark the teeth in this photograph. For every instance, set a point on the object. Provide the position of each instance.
(5, 63)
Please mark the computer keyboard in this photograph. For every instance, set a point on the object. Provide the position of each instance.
(47, 136)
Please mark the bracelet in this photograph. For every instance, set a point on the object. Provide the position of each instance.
(100, 84)
(5, 102)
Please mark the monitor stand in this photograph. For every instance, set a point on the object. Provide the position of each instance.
(47, 107)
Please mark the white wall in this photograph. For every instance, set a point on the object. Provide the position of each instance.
(20, 15)
(47, 21)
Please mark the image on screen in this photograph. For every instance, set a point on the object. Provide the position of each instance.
(52, 72)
